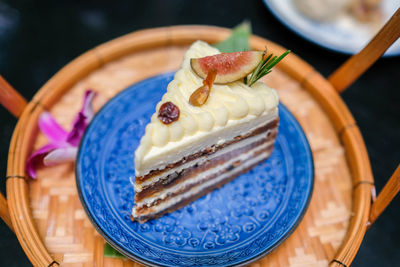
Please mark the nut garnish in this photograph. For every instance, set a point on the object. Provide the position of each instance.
(200, 96)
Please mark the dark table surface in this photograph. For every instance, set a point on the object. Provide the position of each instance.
(37, 38)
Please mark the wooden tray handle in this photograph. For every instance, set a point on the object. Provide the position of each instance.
(355, 66)
(11, 99)
(387, 194)
(14, 103)
(4, 214)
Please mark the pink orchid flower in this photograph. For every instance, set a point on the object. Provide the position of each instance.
(63, 145)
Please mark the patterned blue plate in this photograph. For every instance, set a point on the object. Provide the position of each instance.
(233, 225)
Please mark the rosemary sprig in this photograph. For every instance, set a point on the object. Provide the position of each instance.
(264, 67)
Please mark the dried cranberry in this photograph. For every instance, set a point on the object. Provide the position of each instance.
(168, 113)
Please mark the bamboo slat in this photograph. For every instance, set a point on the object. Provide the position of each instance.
(14, 103)
(357, 156)
(18, 194)
(340, 116)
(67, 77)
(357, 228)
(47, 215)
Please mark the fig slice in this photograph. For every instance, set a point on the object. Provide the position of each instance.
(230, 67)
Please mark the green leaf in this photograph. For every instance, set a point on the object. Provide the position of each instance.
(110, 252)
(238, 41)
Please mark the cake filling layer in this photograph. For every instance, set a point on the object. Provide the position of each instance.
(211, 154)
(202, 164)
(153, 176)
(163, 157)
(208, 175)
(174, 202)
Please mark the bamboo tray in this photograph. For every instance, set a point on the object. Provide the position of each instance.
(46, 213)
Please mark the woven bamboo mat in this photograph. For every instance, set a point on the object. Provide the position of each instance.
(72, 240)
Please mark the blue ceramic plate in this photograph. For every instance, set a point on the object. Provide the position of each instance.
(233, 225)
(345, 35)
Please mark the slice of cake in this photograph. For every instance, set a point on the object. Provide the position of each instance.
(204, 133)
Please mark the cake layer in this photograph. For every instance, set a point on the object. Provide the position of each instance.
(161, 157)
(177, 201)
(206, 175)
(203, 164)
(196, 158)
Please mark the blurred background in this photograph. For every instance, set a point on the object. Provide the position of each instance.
(37, 38)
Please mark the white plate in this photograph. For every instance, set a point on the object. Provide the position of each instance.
(344, 34)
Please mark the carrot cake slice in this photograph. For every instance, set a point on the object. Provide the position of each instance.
(209, 127)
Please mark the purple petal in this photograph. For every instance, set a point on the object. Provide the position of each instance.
(63, 145)
(87, 108)
(60, 155)
(36, 158)
(51, 129)
(82, 120)
(77, 131)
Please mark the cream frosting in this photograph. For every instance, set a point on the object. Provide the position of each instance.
(228, 106)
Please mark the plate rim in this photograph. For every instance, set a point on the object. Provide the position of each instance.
(277, 14)
(146, 262)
